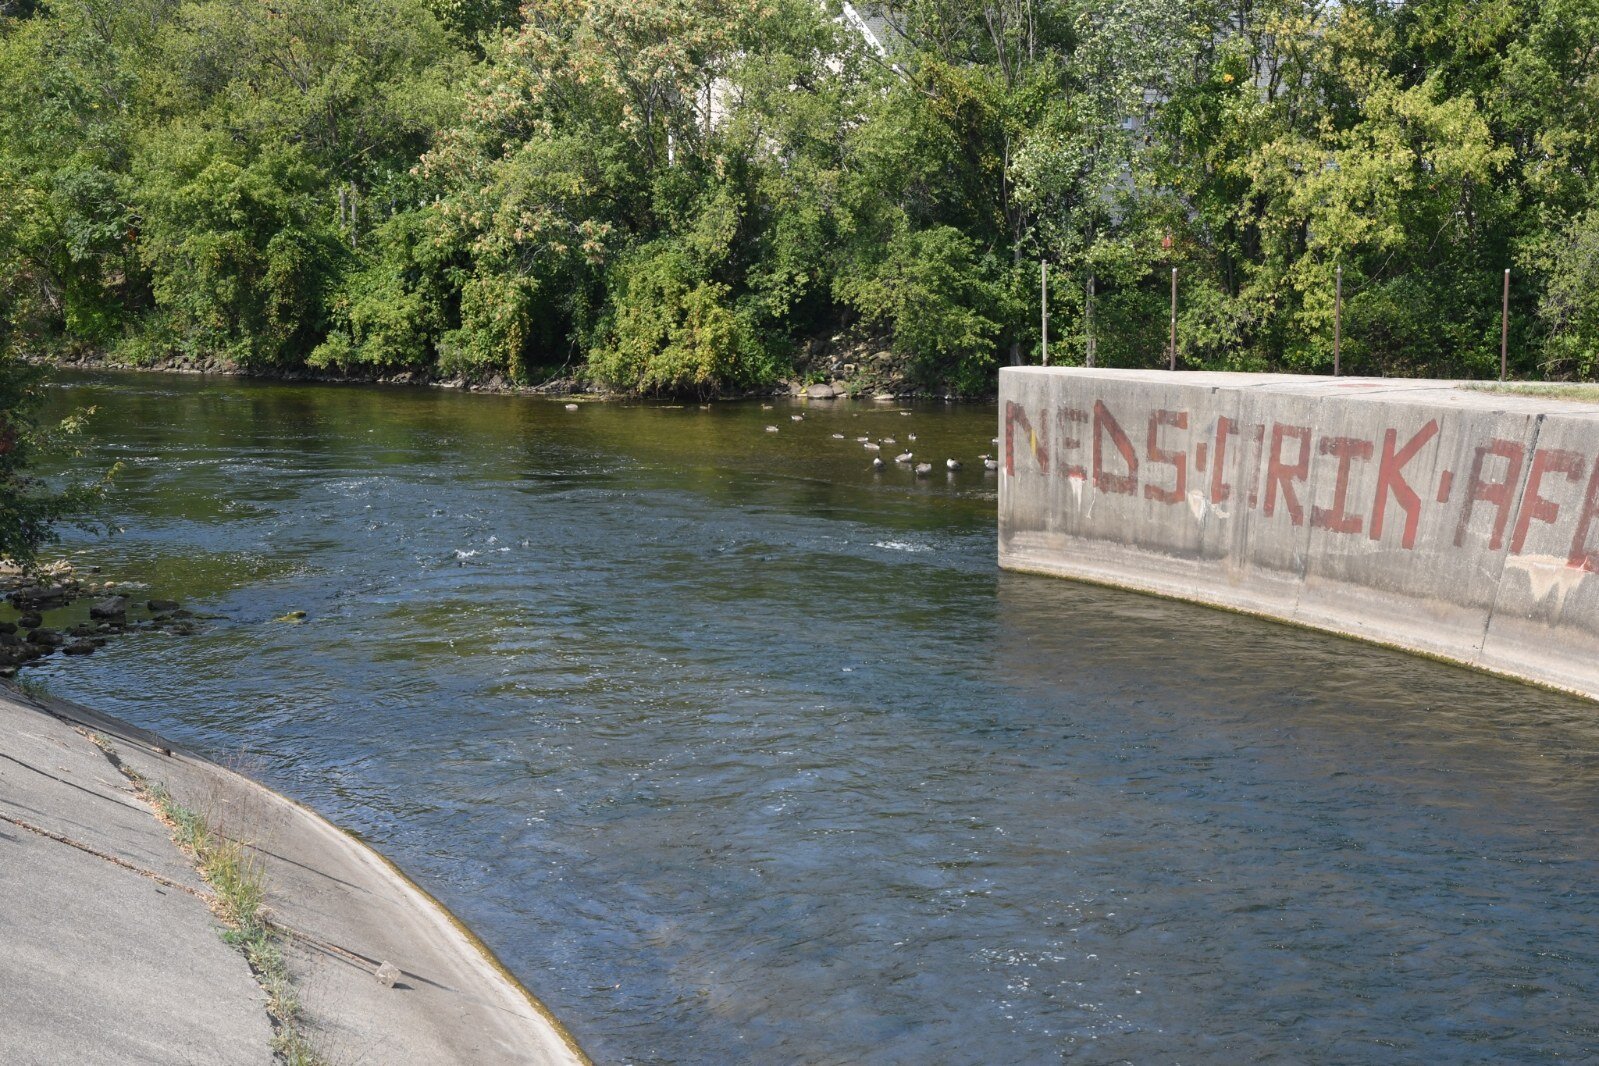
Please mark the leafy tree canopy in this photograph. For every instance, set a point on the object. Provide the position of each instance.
(685, 195)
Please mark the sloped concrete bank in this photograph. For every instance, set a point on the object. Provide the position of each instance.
(109, 951)
(1456, 523)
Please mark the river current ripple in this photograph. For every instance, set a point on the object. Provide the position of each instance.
(737, 752)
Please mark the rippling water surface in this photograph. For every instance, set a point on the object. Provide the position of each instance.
(737, 752)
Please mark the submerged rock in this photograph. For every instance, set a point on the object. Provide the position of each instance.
(110, 609)
(43, 597)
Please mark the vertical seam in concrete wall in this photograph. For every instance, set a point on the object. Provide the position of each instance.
(1304, 560)
(1504, 556)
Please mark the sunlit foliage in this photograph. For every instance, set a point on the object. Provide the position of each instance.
(679, 196)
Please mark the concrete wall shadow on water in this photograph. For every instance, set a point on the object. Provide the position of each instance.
(1457, 523)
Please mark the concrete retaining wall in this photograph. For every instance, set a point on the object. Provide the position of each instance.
(1415, 513)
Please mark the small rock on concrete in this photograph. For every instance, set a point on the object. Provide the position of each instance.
(387, 974)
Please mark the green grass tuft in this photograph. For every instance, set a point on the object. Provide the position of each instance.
(236, 875)
(1544, 390)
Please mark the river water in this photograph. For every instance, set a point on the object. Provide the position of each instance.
(737, 752)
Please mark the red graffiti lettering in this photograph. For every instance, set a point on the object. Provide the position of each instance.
(1124, 484)
(1281, 475)
(1498, 493)
(1219, 489)
(1254, 471)
(1335, 518)
(1536, 506)
(1177, 460)
(1582, 557)
(1391, 480)
(1068, 443)
(1039, 443)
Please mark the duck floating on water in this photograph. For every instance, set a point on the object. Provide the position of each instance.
(953, 464)
(904, 457)
(923, 469)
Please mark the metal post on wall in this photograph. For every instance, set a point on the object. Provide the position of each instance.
(1171, 362)
(1338, 322)
(1088, 315)
(1504, 328)
(1043, 303)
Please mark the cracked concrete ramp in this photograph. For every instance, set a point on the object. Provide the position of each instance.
(104, 957)
(384, 974)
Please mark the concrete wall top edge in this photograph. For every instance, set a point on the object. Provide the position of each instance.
(1449, 393)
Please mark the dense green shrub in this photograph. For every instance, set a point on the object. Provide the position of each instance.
(671, 195)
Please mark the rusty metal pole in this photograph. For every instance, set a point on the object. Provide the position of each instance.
(1338, 323)
(1504, 328)
(1043, 304)
(1089, 315)
(1171, 362)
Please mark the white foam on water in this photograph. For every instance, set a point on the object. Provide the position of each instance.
(901, 546)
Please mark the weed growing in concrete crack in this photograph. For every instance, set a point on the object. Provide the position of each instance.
(237, 878)
(1543, 390)
(37, 687)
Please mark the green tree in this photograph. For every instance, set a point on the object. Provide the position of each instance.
(32, 508)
